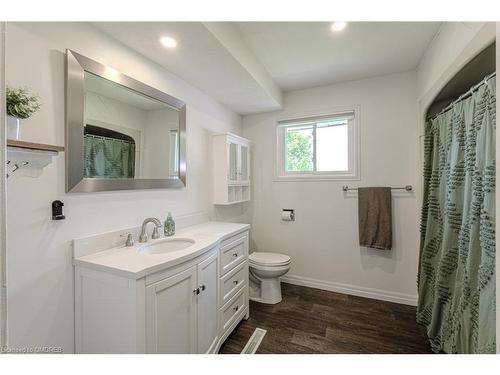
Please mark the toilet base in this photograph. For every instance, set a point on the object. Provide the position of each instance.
(268, 292)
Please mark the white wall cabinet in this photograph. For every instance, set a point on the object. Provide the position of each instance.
(176, 310)
(231, 157)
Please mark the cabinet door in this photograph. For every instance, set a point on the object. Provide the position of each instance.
(171, 314)
(244, 160)
(207, 305)
(232, 149)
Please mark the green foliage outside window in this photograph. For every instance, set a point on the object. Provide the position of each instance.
(299, 151)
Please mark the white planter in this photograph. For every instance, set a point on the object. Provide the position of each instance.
(14, 127)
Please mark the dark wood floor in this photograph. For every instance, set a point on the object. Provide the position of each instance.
(316, 321)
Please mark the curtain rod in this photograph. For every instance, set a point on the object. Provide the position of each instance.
(463, 96)
(109, 138)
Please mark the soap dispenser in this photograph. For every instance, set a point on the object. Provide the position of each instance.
(169, 227)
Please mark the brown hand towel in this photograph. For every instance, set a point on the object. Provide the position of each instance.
(375, 217)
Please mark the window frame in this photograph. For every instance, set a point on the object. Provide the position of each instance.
(173, 153)
(353, 172)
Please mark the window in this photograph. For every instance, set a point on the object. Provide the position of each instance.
(174, 153)
(320, 147)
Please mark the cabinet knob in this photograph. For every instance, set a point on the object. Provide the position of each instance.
(236, 308)
(236, 282)
(202, 287)
(196, 291)
(235, 255)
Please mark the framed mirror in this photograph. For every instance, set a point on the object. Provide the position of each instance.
(121, 134)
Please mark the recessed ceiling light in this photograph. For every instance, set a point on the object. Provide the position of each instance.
(338, 26)
(168, 42)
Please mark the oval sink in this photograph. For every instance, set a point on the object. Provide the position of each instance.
(168, 245)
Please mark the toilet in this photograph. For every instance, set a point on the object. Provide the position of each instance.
(265, 272)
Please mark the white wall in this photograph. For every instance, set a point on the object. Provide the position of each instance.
(446, 46)
(156, 151)
(110, 111)
(40, 275)
(452, 48)
(323, 241)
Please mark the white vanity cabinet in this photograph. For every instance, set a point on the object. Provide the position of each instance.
(187, 306)
(231, 157)
(171, 314)
(233, 282)
(181, 311)
(208, 308)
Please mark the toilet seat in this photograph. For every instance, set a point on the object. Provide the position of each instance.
(263, 259)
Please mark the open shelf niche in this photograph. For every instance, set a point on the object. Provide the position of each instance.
(231, 156)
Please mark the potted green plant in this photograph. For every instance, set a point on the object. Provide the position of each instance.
(21, 104)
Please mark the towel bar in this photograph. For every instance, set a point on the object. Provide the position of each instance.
(407, 188)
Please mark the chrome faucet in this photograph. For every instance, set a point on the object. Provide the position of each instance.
(156, 234)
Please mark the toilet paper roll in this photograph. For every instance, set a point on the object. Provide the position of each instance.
(287, 215)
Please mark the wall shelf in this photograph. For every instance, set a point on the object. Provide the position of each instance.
(27, 159)
(34, 146)
(231, 158)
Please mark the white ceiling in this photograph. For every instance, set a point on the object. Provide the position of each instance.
(300, 55)
(199, 59)
(245, 66)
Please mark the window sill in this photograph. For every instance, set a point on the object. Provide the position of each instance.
(315, 178)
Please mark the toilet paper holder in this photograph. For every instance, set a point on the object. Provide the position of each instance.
(288, 214)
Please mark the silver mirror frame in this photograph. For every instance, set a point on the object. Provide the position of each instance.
(76, 66)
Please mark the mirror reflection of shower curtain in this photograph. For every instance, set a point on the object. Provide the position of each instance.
(456, 278)
(108, 157)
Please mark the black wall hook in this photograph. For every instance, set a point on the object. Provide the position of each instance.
(57, 213)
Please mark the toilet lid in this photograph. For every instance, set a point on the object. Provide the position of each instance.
(271, 259)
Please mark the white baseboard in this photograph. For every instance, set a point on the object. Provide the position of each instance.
(384, 295)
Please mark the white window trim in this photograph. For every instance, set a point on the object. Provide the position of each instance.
(354, 149)
(174, 154)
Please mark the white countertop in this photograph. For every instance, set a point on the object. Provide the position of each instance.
(128, 262)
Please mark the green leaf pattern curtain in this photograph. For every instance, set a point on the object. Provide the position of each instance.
(456, 277)
(108, 157)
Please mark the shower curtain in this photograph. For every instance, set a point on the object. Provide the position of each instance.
(109, 157)
(456, 277)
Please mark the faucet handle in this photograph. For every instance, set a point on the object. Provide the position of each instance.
(155, 233)
(130, 240)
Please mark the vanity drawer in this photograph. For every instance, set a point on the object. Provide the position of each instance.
(233, 309)
(232, 254)
(234, 238)
(232, 282)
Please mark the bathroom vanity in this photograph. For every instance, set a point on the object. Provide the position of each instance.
(181, 294)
